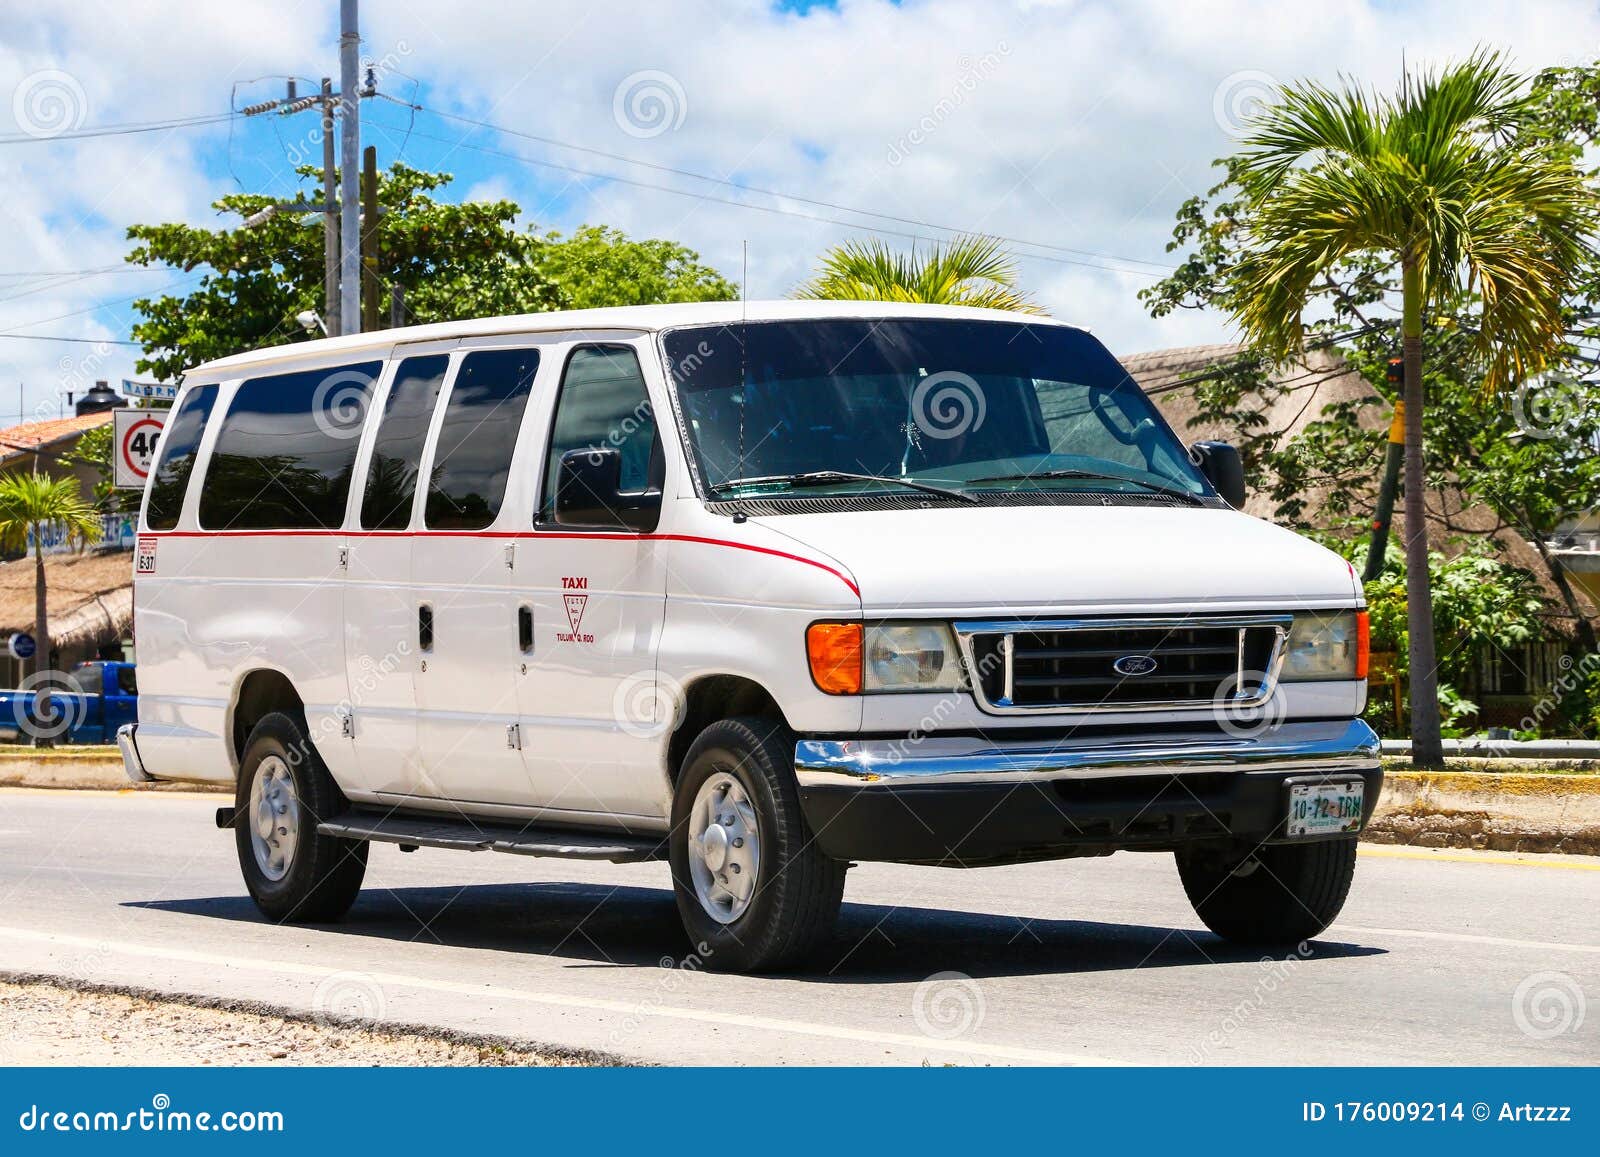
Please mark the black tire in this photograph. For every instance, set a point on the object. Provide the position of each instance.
(1277, 894)
(323, 875)
(797, 889)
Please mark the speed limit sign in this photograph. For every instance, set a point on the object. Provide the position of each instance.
(135, 434)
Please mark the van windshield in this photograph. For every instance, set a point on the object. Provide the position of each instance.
(857, 406)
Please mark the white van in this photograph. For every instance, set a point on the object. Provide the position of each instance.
(759, 590)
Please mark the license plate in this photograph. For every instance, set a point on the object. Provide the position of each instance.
(1320, 809)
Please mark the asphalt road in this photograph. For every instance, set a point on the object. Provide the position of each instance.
(1439, 958)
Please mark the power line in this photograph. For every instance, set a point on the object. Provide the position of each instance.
(763, 208)
(760, 191)
(93, 308)
(119, 130)
(74, 340)
(77, 272)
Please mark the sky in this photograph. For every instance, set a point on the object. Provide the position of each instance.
(1073, 128)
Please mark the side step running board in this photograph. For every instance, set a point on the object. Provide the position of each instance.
(470, 836)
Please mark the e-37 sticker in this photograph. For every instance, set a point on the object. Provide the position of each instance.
(145, 557)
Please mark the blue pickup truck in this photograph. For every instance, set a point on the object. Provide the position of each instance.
(87, 706)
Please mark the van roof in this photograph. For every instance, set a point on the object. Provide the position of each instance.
(646, 318)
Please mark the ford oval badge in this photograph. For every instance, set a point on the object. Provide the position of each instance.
(1134, 665)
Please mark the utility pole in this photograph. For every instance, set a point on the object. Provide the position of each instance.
(330, 217)
(350, 161)
(370, 305)
(325, 102)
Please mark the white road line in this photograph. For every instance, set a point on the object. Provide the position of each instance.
(1459, 938)
(642, 1009)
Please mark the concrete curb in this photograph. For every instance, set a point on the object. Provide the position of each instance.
(1510, 811)
(97, 768)
(1501, 811)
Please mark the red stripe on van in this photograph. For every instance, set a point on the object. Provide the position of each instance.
(518, 534)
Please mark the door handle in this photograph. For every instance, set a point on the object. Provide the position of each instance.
(525, 629)
(425, 627)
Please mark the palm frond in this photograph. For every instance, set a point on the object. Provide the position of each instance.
(968, 270)
(1436, 176)
(31, 499)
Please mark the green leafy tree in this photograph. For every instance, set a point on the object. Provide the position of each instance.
(1324, 476)
(599, 266)
(1481, 604)
(28, 504)
(973, 271)
(448, 260)
(1437, 183)
(94, 449)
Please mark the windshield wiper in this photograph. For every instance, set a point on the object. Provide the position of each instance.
(1095, 475)
(824, 477)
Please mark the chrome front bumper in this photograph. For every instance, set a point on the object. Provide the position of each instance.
(132, 764)
(935, 761)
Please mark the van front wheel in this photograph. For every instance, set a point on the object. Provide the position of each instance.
(294, 873)
(754, 891)
(1276, 894)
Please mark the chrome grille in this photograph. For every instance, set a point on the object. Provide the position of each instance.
(1123, 664)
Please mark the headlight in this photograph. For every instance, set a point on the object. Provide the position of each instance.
(1326, 646)
(910, 657)
(850, 659)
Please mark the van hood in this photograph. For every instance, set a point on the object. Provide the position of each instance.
(1072, 558)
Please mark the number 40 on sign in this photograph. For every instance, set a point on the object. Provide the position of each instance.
(135, 434)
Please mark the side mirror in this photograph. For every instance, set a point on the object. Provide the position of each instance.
(589, 493)
(1219, 462)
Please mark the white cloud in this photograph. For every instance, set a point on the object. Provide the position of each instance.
(1075, 124)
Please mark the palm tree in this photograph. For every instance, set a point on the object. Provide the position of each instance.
(1438, 178)
(28, 503)
(969, 270)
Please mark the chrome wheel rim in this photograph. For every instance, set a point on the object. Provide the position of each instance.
(724, 848)
(274, 818)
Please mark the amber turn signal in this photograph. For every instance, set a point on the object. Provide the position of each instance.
(834, 651)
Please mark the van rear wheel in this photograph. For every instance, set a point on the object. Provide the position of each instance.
(754, 891)
(294, 873)
(1275, 894)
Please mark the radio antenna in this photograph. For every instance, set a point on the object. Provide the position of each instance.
(744, 356)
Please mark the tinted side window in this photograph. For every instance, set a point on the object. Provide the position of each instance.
(472, 459)
(127, 681)
(603, 403)
(179, 442)
(397, 453)
(287, 449)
